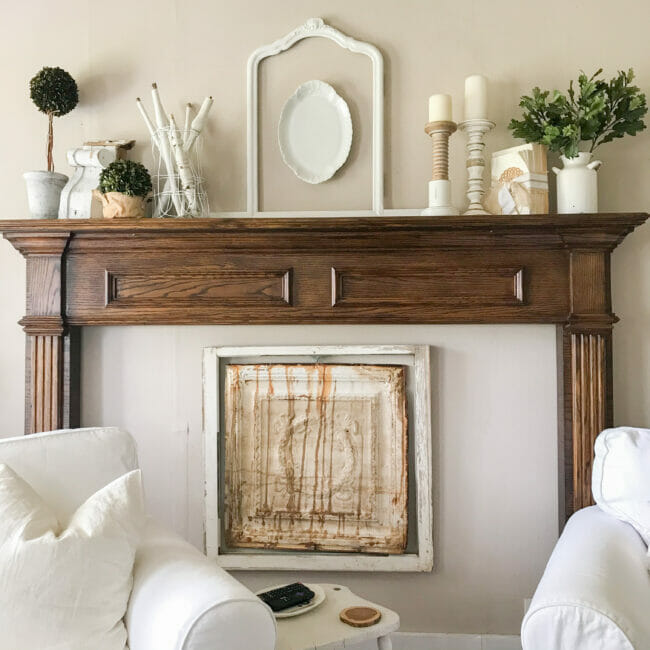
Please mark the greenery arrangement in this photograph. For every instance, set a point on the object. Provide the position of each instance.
(597, 111)
(55, 93)
(126, 177)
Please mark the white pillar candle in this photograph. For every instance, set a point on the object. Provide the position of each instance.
(476, 97)
(440, 108)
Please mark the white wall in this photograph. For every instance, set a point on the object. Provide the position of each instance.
(494, 429)
(495, 386)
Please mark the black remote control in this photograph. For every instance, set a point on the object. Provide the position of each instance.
(287, 596)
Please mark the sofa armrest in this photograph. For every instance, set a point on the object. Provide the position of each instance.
(595, 592)
(183, 601)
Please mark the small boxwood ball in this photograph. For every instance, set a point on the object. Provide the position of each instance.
(127, 177)
(54, 91)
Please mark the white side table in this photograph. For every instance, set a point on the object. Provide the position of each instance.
(322, 629)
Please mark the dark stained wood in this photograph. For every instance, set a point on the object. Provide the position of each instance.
(227, 286)
(467, 269)
(45, 328)
(478, 285)
(585, 385)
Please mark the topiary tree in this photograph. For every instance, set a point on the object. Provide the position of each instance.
(55, 93)
(126, 177)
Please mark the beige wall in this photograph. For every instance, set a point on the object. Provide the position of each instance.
(494, 386)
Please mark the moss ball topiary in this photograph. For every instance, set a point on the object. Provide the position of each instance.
(126, 177)
(54, 91)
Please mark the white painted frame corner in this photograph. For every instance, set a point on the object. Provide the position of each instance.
(422, 560)
(314, 27)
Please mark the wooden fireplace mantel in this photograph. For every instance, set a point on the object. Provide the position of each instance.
(486, 269)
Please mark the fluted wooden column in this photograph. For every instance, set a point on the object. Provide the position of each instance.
(48, 345)
(585, 368)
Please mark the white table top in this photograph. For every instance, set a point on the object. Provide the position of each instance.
(322, 629)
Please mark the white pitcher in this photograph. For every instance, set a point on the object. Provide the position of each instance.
(577, 184)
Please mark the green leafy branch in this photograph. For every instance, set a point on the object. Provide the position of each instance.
(596, 112)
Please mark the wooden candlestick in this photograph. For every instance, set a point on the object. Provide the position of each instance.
(476, 130)
(439, 185)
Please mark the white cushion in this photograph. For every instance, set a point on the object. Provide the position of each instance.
(621, 476)
(66, 584)
(68, 466)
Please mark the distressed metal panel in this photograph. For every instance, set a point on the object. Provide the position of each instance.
(316, 457)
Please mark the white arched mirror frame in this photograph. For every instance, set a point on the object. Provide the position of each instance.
(315, 27)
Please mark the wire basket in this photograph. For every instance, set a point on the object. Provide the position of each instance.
(178, 184)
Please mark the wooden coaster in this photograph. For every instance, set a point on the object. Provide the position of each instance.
(360, 616)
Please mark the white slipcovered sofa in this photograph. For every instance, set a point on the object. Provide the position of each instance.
(180, 599)
(595, 591)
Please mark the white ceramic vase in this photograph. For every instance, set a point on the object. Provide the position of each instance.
(44, 193)
(577, 184)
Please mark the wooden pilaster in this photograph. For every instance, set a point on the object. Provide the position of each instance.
(585, 374)
(47, 375)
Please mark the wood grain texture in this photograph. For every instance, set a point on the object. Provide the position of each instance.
(227, 287)
(455, 269)
(478, 286)
(589, 395)
(46, 393)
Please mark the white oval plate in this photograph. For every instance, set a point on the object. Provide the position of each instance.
(319, 597)
(315, 132)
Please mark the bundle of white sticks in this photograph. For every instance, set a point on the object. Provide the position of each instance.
(174, 147)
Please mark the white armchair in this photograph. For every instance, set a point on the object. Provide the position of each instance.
(595, 592)
(180, 599)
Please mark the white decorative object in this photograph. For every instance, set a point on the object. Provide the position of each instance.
(416, 360)
(577, 184)
(80, 570)
(44, 193)
(164, 147)
(315, 27)
(440, 108)
(187, 180)
(178, 186)
(315, 456)
(519, 180)
(198, 123)
(440, 185)
(303, 608)
(476, 130)
(475, 98)
(315, 132)
(88, 162)
(323, 629)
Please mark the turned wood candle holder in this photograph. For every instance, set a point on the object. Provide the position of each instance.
(439, 185)
(476, 130)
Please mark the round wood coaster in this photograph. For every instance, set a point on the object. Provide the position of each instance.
(360, 616)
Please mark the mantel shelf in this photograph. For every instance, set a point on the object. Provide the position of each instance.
(297, 270)
(551, 222)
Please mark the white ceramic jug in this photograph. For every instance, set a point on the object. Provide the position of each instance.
(577, 184)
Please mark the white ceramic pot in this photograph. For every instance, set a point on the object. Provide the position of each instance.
(44, 193)
(577, 184)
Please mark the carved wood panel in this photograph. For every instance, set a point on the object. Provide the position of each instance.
(470, 285)
(225, 286)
